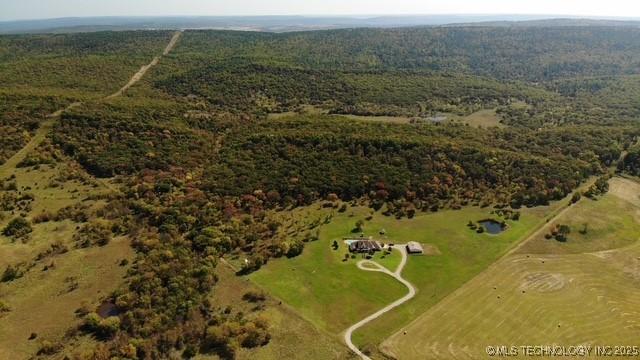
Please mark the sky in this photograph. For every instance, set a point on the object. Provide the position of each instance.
(38, 9)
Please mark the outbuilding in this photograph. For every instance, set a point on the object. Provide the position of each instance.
(414, 248)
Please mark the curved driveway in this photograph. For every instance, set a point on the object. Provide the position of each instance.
(396, 275)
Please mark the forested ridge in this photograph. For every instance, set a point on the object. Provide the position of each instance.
(202, 167)
(532, 54)
(579, 73)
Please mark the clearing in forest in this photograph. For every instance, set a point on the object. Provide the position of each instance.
(323, 279)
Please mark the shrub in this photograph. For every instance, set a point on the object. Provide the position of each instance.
(189, 352)
(76, 213)
(101, 328)
(295, 248)
(254, 336)
(17, 228)
(359, 227)
(4, 307)
(43, 217)
(225, 336)
(563, 231)
(576, 197)
(254, 296)
(11, 273)
(93, 234)
(49, 348)
(253, 263)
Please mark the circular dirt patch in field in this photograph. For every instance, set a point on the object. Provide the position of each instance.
(543, 282)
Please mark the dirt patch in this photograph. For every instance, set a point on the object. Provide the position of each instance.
(429, 249)
(625, 189)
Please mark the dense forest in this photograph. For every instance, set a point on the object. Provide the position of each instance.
(529, 54)
(201, 166)
(274, 88)
(111, 140)
(427, 165)
(20, 115)
(566, 74)
(79, 65)
(304, 159)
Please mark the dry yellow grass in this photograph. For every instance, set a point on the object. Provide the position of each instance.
(483, 118)
(384, 119)
(44, 301)
(625, 189)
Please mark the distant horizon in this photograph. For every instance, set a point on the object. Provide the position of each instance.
(537, 16)
(53, 9)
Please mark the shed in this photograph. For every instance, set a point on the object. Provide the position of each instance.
(414, 248)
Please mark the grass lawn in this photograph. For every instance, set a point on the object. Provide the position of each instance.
(333, 294)
(326, 290)
(463, 254)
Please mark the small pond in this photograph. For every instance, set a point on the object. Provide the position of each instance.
(492, 226)
(108, 309)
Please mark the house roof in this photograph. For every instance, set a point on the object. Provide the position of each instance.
(364, 245)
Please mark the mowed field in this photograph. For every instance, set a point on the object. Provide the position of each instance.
(333, 293)
(585, 291)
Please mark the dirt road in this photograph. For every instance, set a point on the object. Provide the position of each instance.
(36, 140)
(143, 70)
(47, 125)
(397, 274)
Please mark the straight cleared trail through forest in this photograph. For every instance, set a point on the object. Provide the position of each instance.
(46, 126)
(143, 70)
